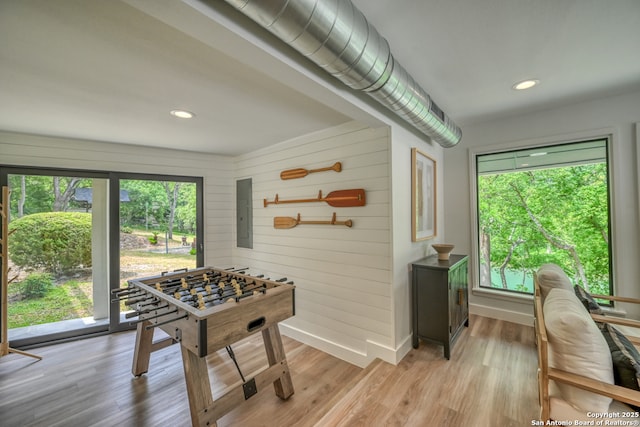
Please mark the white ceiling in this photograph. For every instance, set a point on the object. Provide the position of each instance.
(112, 70)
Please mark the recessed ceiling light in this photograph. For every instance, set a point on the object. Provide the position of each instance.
(540, 153)
(526, 84)
(182, 114)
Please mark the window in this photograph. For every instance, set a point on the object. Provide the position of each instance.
(157, 221)
(539, 205)
(55, 254)
(82, 234)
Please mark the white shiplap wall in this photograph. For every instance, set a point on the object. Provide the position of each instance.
(217, 171)
(342, 275)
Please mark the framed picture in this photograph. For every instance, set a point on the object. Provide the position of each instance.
(423, 196)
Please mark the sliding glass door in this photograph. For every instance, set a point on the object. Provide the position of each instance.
(159, 228)
(77, 235)
(57, 247)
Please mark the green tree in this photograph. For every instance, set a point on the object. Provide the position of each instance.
(160, 205)
(173, 191)
(56, 242)
(147, 205)
(554, 215)
(30, 194)
(186, 208)
(63, 190)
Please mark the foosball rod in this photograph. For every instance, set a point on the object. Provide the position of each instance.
(137, 313)
(169, 286)
(215, 299)
(234, 295)
(140, 293)
(153, 325)
(135, 322)
(195, 298)
(215, 289)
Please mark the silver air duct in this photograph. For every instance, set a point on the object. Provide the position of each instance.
(335, 35)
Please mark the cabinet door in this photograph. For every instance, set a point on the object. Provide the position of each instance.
(458, 307)
(431, 305)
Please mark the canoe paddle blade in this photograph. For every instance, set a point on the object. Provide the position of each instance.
(301, 172)
(346, 198)
(338, 199)
(283, 222)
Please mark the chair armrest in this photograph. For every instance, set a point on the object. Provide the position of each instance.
(616, 320)
(613, 391)
(635, 340)
(616, 298)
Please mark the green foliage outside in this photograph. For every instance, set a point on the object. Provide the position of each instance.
(56, 242)
(163, 206)
(73, 299)
(69, 301)
(49, 238)
(153, 239)
(159, 205)
(540, 216)
(36, 285)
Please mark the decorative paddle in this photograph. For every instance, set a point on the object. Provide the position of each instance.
(301, 172)
(288, 222)
(337, 199)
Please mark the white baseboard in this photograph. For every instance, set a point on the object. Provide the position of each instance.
(501, 314)
(353, 356)
(375, 350)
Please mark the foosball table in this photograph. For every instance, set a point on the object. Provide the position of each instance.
(205, 310)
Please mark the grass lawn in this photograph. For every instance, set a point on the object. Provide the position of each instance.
(74, 298)
(137, 263)
(70, 300)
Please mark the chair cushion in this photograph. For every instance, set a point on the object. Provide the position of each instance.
(587, 300)
(561, 410)
(576, 345)
(625, 357)
(551, 276)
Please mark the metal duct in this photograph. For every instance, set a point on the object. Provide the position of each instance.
(336, 36)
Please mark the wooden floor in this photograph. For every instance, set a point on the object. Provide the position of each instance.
(490, 380)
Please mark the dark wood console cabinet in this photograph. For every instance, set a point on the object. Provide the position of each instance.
(440, 303)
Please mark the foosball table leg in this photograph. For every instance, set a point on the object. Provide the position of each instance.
(199, 393)
(142, 350)
(275, 355)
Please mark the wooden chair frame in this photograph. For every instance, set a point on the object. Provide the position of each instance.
(547, 373)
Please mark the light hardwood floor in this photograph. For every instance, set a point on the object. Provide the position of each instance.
(489, 381)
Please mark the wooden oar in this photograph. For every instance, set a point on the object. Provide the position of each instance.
(337, 199)
(288, 222)
(301, 172)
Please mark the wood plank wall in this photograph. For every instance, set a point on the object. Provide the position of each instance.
(342, 275)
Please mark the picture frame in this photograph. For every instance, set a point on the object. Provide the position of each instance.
(423, 196)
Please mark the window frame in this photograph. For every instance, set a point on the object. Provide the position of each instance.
(115, 323)
(474, 152)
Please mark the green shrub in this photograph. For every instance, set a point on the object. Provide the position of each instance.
(36, 285)
(126, 230)
(56, 242)
(153, 239)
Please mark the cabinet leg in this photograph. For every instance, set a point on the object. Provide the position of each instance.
(447, 351)
(415, 342)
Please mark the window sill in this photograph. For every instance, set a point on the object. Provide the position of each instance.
(501, 295)
(525, 298)
(617, 312)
